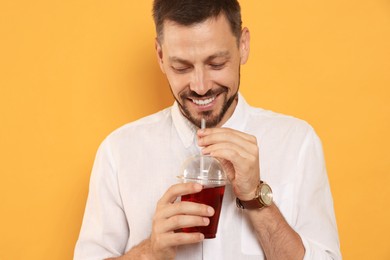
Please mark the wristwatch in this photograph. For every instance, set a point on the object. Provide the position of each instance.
(263, 198)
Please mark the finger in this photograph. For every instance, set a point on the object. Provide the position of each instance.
(179, 189)
(186, 208)
(226, 131)
(244, 164)
(181, 221)
(167, 240)
(232, 152)
(230, 138)
(239, 171)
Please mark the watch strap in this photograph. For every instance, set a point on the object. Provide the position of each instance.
(249, 204)
(255, 203)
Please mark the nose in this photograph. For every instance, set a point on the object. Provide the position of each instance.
(200, 82)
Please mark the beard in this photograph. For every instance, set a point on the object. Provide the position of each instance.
(212, 117)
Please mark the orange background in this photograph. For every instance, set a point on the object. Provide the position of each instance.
(73, 71)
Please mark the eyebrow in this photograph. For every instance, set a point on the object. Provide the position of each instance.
(223, 54)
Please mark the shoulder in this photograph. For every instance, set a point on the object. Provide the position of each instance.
(146, 127)
(277, 122)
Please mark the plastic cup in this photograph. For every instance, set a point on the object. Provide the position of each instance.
(207, 171)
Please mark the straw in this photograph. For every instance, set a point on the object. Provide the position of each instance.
(203, 123)
(202, 126)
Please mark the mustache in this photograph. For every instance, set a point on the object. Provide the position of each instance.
(190, 94)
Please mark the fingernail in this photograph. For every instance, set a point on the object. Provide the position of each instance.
(206, 221)
(198, 187)
(210, 210)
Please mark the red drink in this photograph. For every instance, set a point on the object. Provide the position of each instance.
(212, 197)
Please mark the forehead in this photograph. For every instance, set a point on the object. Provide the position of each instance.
(210, 36)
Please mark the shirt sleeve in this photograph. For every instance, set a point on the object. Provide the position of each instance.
(104, 232)
(316, 222)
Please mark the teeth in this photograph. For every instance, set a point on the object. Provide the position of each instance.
(204, 101)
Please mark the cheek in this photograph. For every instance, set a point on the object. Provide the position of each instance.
(177, 82)
(228, 78)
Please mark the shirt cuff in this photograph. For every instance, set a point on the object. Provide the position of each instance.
(316, 251)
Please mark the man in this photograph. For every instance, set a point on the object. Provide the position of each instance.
(133, 208)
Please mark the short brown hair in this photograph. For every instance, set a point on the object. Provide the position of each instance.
(189, 12)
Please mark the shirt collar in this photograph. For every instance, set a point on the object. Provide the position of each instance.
(187, 131)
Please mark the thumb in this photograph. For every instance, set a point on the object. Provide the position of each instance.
(228, 168)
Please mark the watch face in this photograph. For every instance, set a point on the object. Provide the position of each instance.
(266, 194)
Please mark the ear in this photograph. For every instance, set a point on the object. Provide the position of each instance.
(244, 45)
(159, 54)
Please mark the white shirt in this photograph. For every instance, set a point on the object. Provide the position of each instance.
(136, 164)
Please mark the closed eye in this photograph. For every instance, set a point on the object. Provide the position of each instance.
(181, 69)
(217, 66)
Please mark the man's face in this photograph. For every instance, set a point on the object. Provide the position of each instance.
(202, 64)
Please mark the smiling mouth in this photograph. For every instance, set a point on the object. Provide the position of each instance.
(203, 102)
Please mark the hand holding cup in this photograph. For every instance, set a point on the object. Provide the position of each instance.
(208, 172)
